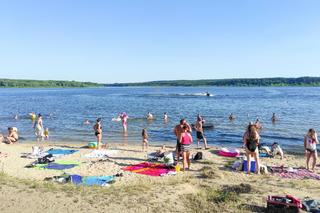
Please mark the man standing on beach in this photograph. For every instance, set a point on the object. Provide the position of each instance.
(199, 130)
(178, 131)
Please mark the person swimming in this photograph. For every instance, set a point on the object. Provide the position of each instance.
(149, 116)
(232, 117)
(274, 118)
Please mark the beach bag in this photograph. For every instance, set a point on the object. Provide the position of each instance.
(46, 159)
(198, 156)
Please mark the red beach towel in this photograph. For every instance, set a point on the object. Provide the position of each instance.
(151, 169)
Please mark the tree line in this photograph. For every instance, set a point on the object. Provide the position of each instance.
(240, 82)
(14, 83)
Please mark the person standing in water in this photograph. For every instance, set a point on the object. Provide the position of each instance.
(199, 131)
(274, 118)
(98, 132)
(165, 117)
(38, 128)
(232, 117)
(310, 147)
(124, 118)
(149, 116)
(258, 125)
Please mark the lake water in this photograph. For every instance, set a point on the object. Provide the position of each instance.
(297, 108)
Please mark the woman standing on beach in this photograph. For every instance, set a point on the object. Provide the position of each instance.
(38, 128)
(310, 147)
(145, 138)
(185, 141)
(98, 132)
(251, 141)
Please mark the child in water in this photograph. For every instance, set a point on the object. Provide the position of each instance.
(46, 133)
(145, 137)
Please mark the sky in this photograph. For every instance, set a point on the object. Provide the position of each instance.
(144, 40)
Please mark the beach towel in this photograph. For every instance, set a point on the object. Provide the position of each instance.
(151, 169)
(58, 165)
(97, 180)
(101, 153)
(91, 180)
(61, 152)
(294, 173)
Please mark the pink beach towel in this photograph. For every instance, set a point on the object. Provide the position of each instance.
(297, 173)
(151, 169)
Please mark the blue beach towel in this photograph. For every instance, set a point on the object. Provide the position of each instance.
(61, 151)
(97, 180)
(76, 179)
(91, 180)
(57, 166)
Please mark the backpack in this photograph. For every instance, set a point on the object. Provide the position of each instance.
(198, 156)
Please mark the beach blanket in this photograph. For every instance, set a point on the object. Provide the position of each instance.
(61, 152)
(58, 165)
(151, 169)
(294, 173)
(101, 153)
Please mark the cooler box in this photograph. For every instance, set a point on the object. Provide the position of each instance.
(252, 168)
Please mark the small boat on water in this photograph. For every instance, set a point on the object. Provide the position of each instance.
(205, 126)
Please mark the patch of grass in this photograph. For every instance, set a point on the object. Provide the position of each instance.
(210, 172)
(210, 199)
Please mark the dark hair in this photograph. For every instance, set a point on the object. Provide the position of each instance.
(144, 131)
(39, 115)
(99, 119)
(185, 127)
(10, 128)
(182, 121)
(252, 131)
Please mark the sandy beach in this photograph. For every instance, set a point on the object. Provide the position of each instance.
(198, 190)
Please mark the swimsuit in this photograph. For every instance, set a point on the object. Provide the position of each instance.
(185, 143)
(200, 135)
(311, 145)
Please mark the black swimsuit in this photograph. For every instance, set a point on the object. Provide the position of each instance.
(98, 133)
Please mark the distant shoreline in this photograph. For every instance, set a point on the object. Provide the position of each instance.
(236, 82)
(239, 82)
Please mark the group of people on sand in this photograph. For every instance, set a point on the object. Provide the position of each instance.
(184, 138)
(37, 124)
(251, 141)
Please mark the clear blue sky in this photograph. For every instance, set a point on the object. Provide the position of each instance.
(142, 40)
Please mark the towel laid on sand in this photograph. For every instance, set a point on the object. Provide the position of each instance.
(101, 153)
(61, 152)
(83, 180)
(58, 165)
(151, 169)
(294, 173)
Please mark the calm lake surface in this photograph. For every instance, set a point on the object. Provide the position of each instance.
(65, 110)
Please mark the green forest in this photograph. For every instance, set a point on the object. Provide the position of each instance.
(240, 82)
(12, 83)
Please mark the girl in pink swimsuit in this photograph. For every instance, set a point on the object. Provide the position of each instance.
(185, 141)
